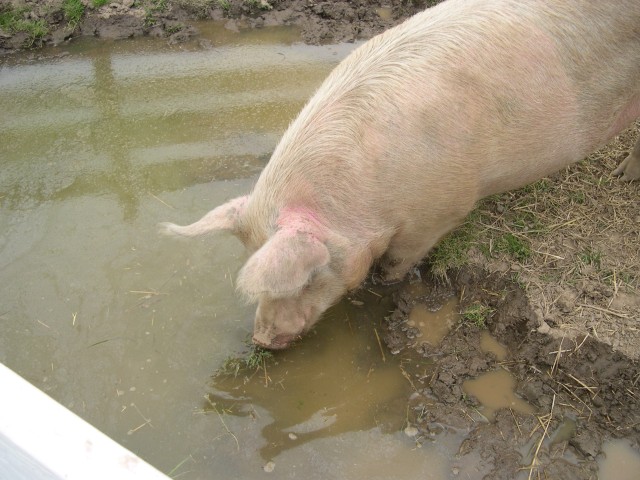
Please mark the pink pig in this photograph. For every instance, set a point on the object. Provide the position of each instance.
(464, 100)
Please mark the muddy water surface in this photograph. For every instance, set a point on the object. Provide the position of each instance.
(619, 461)
(100, 141)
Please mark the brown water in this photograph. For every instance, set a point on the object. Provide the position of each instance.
(434, 324)
(489, 344)
(619, 462)
(100, 142)
(495, 390)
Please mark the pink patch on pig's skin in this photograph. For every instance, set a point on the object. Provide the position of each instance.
(302, 219)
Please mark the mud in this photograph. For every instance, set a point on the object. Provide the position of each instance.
(319, 22)
(579, 382)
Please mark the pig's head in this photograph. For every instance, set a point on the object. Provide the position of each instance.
(294, 275)
(293, 280)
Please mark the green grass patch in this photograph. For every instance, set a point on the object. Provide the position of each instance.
(13, 21)
(73, 12)
(517, 247)
(174, 28)
(477, 314)
(99, 3)
(252, 360)
(452, 250)
(153, 8)
(541, 186)
(527, 222)
(591, 257)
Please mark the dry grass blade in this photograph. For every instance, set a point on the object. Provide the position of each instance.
(384, 359)
(214, 407)
(545, 428)
(592, 390)
(605, 310)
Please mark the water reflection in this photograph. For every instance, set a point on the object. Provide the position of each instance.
(331, 383)
(133, 118)
(124, 327)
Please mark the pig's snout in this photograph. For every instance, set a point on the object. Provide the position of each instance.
(271, 334)
(277, 342)
(279, 322)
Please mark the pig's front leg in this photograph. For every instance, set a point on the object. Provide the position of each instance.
(407, 250)
(629, 169)
(395, 269)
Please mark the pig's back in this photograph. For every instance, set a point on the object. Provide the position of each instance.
(485, 94)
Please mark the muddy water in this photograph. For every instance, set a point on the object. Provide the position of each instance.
(100, 141)
(620, 461)
(434, 324)
(495, 390)
(489, 344)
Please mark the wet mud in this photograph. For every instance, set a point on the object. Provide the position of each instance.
(570, 396)
(319, 22)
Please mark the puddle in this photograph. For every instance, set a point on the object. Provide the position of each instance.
(495, 390)
(565, 431)
(489, 344)
(619, 462)
(336, 382)
(385, 13)
(434, 325)
(103, 140)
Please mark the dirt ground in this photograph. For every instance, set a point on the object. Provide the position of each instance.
(319, 22)
(578, 380)
(554, 266)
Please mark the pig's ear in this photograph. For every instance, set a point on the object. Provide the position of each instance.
(224, 217)
(284, 265)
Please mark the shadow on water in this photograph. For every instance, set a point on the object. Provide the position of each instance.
(338, 380)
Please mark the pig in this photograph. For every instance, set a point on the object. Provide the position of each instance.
(466, 99)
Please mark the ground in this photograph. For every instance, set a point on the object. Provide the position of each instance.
(32, 23)
(551, 270)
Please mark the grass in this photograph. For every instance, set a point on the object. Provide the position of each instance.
(99, 3)
(151, 9)
(13, 20)
(174, 28)
(477, 314)
(73, 12)
(516, 246)
(452, 251)
(591, 257)
(251, 361)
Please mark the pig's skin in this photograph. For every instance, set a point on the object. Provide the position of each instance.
(467, 99)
